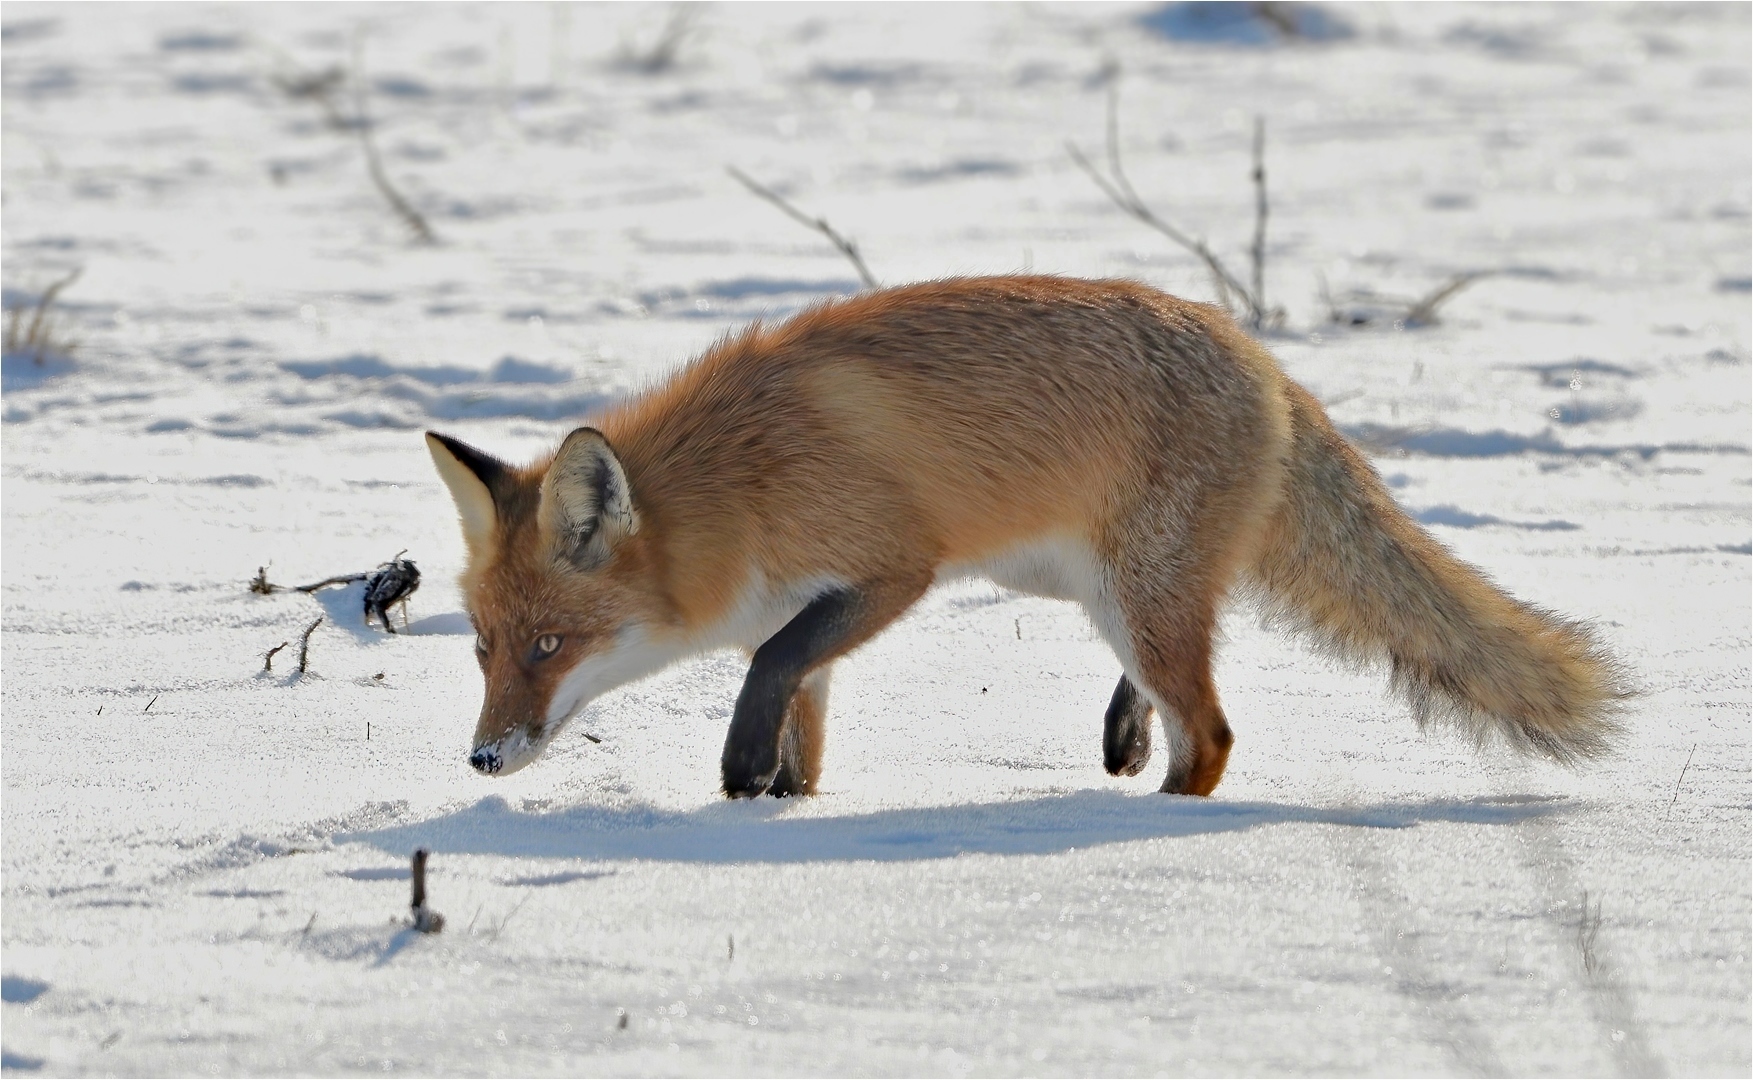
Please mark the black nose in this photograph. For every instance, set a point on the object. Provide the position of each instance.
(485, 760)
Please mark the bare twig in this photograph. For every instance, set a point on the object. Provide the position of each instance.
(1422, 312)
(1258, 251)
(304, 645)
(661, 56)
(37, 338)
(151, 703)
(1680, 781)
(410, 216)
(323, 87)
(1119, 189)
(846, 247)
(338, 579)
(268, 657)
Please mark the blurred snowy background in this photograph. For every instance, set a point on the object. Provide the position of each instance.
(204, 864)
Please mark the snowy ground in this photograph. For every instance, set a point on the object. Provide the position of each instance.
(204, 865)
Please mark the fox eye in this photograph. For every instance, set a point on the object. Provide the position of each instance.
(546, 645)
(480, 644)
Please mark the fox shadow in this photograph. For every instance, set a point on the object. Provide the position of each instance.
(770, 831)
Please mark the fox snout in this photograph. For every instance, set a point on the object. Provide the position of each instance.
(508, 752)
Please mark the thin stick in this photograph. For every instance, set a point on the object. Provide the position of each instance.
(151, 703)
(268, 657)
(342, 579)
(1259, 249)
(410, 216)
(1680, 781)
(846, 247)
(1119, 188)
(304, 645)
(419, 877)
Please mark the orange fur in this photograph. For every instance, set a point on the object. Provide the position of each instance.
(1095, 440)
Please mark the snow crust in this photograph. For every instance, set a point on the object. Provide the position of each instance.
(205, 865)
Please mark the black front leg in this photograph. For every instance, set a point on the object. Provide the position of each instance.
(751, 750)
(1126, 731)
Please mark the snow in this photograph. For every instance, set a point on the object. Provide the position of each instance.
(205, 864)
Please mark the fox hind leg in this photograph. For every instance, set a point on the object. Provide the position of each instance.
(1161, 627)
(804, 737)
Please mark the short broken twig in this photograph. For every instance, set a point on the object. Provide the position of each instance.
(426, 920)
(268, 657)
(846, 247)
(260, 583)
(151, 703)
(1679, 782)
(304, 644)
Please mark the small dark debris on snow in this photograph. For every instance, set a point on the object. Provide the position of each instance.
(426, 920)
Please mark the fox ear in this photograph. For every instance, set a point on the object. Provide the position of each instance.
(586, 502)
(472, 478)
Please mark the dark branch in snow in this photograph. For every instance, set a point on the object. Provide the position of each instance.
(846, 247)
(304, 645)
(426, 920)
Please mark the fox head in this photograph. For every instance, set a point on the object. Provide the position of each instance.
(557, 586)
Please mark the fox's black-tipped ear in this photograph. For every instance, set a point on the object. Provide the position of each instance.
(473, 479)
(586, 500)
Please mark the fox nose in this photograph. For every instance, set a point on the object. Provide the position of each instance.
(485, 760)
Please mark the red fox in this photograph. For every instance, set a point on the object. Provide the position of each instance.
(798, 487)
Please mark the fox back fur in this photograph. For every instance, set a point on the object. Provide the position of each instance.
(797, 488)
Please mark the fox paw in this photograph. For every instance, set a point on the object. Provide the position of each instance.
(746, 780)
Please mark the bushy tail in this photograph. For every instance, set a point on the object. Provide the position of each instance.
(1342, 560)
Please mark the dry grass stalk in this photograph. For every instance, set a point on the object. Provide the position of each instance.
(36, 336)
(1422, 311)
(845, 246)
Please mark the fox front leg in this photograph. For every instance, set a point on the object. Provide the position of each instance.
(832, 625)
(1126, 731)
(816, 634)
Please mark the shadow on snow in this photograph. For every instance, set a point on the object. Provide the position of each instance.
(763, 831)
